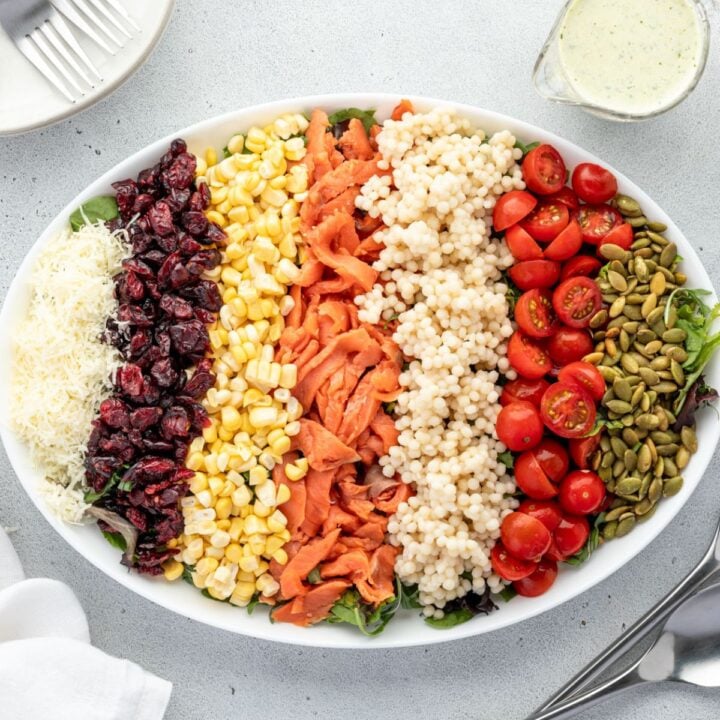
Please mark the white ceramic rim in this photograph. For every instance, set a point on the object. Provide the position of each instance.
(406, 629)
(84, 104)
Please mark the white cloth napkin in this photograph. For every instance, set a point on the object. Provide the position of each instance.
(49, 670)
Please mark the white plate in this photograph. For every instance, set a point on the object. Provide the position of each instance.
(406, 629)
(28, 101)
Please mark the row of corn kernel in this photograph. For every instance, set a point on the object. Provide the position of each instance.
(233, 526)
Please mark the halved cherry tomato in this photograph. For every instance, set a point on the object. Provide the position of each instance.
(535, 274)
(553, 459)
(576, 300)
(621, 235)
(582, 450)
(596, 221)
(511, 208)
(567, 410)
(531, 478)
(539, 582)
(546, 221)
(546, 511)
(566, 244)
(527, 357)
(581, 266)
(521, 244)
(593, 184)
(543, 169)
(553, 553)
(582, 492)
(509, 567)
(571, 534)
(519, 426)
(565, 196)
(524, 536)
(586, 376)
(523, 389)
(534, 313)
(568, 345)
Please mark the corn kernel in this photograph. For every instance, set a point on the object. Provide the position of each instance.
(172, 570)
(283, 494)
(223, 507)
(293, 472)
(280, 557)
(206, 565)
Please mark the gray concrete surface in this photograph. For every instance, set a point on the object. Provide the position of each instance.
(226, 54)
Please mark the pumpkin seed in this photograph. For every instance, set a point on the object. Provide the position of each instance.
(680, 278)
(671, 468)
(619, 469)
(682, 458)
(643, 507)
(632, 312)
(619, 406)
(617, 307)
(677, 372)
(627, 205)
(674, 335)
(627, 486)
(641, 241)
(649, 376)
(618, 446)
(669, 450)
(679, 355)
(599, 318)
(672, 486)
(654, 316)
(630, 459)
(660, 363)
(646, 335)
(657, 227)
(661, 438)
(624, 341)
(641, 269)
(630, 364)
(668, 255)
(657, 283)
(666, 387)
(649, 305)
(630, 437)
(609, 530)
(637, 395)
(611, 348)
(605, 474)
(645, 484)
(638, 221)
(625, 526)
(644, 460)
(689, 438)
(608, 459)
(617, 281)
(612, 252)
(615, 513)
(622, 389)
(653, 346)
(595, 358)
(659, 469)
(646, 421)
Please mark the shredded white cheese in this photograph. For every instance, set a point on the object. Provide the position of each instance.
(62, 370)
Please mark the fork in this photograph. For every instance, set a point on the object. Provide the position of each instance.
(40, 32)
(86, 15)
(43, 36)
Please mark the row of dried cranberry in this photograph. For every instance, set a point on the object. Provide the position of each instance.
(136, 453)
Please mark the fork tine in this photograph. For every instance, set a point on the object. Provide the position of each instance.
(38, 38)
(28, 48)
(49, 31)
(92, 16)
(109, 16)
(76, 18)
(66, 34)
(117, 6)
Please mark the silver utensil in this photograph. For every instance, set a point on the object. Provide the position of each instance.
(43, 36)
(707, 569)
(83, 14)
(687, 651)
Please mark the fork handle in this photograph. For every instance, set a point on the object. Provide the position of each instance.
(704, 570)
(618, 684)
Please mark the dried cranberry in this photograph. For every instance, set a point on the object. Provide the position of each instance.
(181, 172)
(175, 423)
(177, 147)
(137, 518)
(145, 417)
(189, 337)
(177, 199)
(179, 276)
(130, 380)
(202, 261)
(148, 178)
(103, 466)
(134, 315)
(140, 268)
(161, 218)
(150, 393)
(154, 257)
(215, 234)
(199, 384)
(157, 446)
(200, 199)
(134, 288)
(167, 244)
(195, 222)
(167, 267)
(125, 192)
(163, 373)
(188, 246)
(142, 203)
(119, 446)
(206, 317)
(205, 294)
(114, 413)
(176, 307)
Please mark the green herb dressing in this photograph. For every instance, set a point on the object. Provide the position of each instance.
(631, 56)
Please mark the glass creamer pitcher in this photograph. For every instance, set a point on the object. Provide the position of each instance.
(624, 59)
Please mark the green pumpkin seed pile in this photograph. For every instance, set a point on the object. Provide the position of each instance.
(640, 353)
